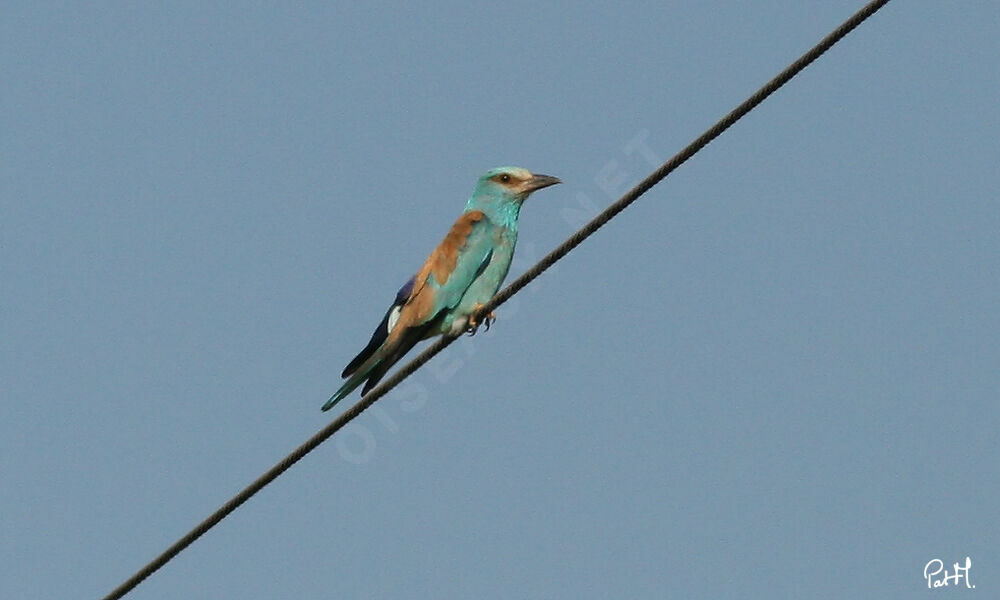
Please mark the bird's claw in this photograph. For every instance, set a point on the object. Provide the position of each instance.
(473, 325)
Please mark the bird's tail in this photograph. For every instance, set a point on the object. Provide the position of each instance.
(372, 370)
(377, 365)
(351, 384)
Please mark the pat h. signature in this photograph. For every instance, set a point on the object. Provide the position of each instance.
(937, 576)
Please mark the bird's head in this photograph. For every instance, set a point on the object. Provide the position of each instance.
(512, 183)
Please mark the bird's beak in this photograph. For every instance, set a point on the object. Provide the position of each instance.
(538, 182)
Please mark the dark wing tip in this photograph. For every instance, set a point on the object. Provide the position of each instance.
(382, 331)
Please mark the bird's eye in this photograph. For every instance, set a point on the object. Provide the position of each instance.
(505, 178)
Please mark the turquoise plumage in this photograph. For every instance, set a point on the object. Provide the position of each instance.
(460, 275)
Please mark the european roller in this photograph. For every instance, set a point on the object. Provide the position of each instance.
(456, 280)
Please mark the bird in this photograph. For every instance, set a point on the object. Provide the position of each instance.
(457, 279)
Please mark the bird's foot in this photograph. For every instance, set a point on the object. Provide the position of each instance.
(473, 325)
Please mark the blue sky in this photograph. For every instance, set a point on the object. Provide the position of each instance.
(774, 375)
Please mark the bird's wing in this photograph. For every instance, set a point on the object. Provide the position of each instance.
(426, 299)
(383, 329)
(452, 267)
